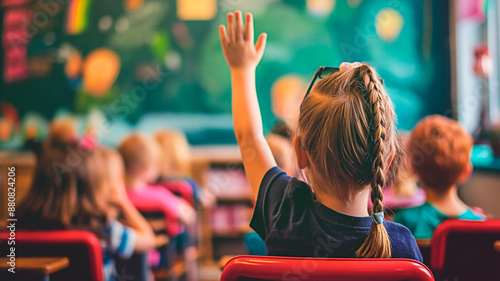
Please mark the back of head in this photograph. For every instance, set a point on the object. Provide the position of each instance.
(63, 130)
(66, 189)
(346, 126)
(439, 150)
(140, 154)
(175, 154)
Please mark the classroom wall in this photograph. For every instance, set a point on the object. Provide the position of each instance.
(167, 64)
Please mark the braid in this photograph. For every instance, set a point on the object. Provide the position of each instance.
(378, 135)
(377, 243)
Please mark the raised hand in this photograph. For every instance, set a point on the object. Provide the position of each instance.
(243, 56)
(238, 42)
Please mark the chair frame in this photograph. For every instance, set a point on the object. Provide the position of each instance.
(59, 237)
(439, 241)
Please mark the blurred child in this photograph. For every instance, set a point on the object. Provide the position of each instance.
(115, 184)
(404, 183)
(140, 155)
(175, 168)
(287, 93)
(175, 154)
(175, 164)
(115, 181)
(68, 192)
(439, 151)
(282, 150)
(346, 142)
(403, 191)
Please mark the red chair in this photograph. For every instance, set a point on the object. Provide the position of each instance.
(155, 209)
(288, 268)
(82, 248)
(181, 188)
(465, 250)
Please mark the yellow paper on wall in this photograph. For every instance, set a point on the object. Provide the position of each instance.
(196, 9)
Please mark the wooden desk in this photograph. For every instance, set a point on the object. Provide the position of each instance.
(39, 268)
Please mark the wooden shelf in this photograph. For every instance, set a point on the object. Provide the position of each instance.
(216, 154)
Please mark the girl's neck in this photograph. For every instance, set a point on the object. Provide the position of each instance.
(447, 202)
(356, 207)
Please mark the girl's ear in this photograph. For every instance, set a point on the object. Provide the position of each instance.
(302, 158)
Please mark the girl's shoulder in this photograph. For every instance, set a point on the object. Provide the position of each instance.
(394, 228)
(403, 244)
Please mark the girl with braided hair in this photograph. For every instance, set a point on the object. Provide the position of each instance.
(345, 144)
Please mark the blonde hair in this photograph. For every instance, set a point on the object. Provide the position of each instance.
(347, 127)
(175, 160)
(138, 152)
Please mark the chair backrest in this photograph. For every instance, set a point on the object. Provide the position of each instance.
(290, 268)
(155, 209)
(465, 250)
(82, 248)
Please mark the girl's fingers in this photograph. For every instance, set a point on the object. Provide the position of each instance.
(230, 27)
(249, 28)
(239, 26)
(261, 44)
(223, 36)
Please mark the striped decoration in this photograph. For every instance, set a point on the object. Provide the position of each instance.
(77, 16)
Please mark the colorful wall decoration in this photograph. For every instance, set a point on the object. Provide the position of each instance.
(133, 57)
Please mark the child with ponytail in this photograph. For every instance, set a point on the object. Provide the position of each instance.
(346, 145)
(70, 190)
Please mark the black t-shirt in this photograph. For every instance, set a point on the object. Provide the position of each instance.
(293, 223)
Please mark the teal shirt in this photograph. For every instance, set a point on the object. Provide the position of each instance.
(423, 219)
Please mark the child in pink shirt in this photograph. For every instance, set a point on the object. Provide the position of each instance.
(140, 155)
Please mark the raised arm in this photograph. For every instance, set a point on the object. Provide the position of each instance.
(243, 57)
